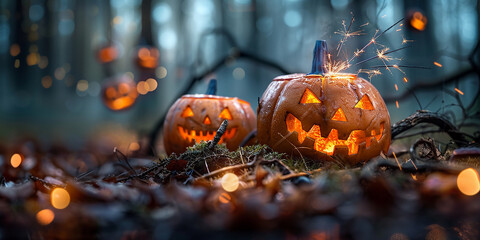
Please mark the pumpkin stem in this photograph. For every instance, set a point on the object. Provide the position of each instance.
(320, 53)
(212, 87)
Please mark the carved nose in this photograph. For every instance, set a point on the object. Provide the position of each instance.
(207, 121)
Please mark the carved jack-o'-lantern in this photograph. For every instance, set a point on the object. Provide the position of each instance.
(324, 115)
(195, 118)
(119, 93)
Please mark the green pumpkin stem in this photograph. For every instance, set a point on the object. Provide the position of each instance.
(320, 54)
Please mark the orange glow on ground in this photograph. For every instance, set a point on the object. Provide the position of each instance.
(327, 145)
(230, 182)
(225, 114)
(309, 97)
(60, 198)
(365, 103)
(468, 182)
(16, 160)
(199, 135)
(339, 116)
(45, 216)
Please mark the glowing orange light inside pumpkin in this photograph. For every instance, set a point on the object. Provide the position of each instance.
(207, 121)
(120, 93)
(199, 135)
(45, 216)
(108, 54)
(148, 57)
(365, 103)
(187, 112)
(60, 198)
(339, 116)
(327, 145)
(309, 97)
(16, 160)
(468, 182)
(225, 114)
(418, 21)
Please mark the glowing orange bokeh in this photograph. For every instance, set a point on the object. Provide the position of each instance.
(418, 21)
(108, 54)
(45, 216)
(60, 198)
(327, 145)
(309, 97)
(16, 160)
(148, 57)
(468, 182)
(230, 182)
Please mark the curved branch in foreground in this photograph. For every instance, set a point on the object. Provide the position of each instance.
(423, 116)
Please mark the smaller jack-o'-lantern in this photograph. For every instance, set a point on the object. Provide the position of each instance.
(195, 118)
(119, 93)
(324, 115)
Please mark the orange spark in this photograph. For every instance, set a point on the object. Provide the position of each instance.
(438, 64)
(399, 166)
(396, 102)
(458, 90)
(405, 79)
(396, 87)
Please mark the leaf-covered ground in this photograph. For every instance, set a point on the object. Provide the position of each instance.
(278, 197)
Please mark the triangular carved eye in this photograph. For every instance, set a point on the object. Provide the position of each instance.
(207, 121)
(187, 112)
(365, 103)
(225, 114)
(339, 116)
(309, 97)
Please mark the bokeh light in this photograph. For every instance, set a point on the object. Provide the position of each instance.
(60, 198)
(16, 160)
(230, 182)
(468, 182)
(45, 216)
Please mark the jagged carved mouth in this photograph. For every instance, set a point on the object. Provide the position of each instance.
(199, 135)
(327, 145)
